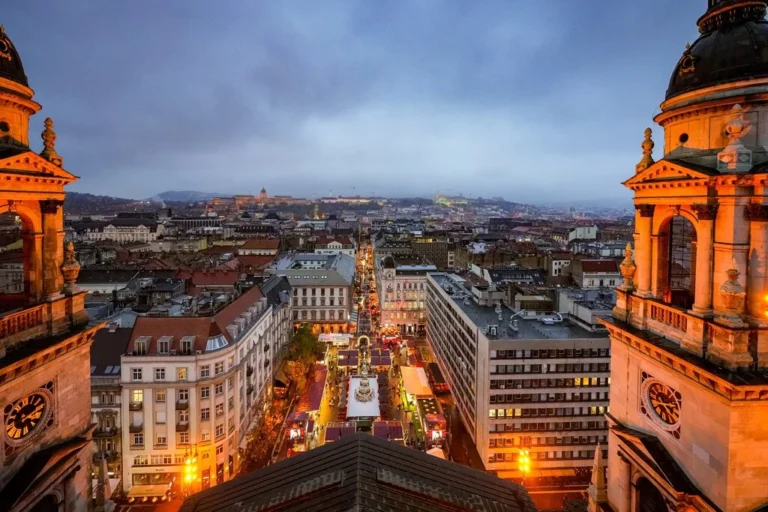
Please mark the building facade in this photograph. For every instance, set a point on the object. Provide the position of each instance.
(321, 288)
(521, 381)
(193, 385)
(403, 295)
(339, 245)
(45, 334)
(688, 334)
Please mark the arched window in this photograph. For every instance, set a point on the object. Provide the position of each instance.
(681, 263)
(649, 497)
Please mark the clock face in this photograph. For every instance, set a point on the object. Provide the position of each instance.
(664, 403)
(25, 415)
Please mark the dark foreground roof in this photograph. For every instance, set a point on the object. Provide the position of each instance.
(362, 473)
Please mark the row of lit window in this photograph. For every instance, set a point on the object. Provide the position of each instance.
(183, 437)
(558, 426)
(550, 353)
(182, 395)
(546, 455)
(508, 369)
(550, 383)
(584, 396)
(530, 441)
(552, 411)
(340, 315)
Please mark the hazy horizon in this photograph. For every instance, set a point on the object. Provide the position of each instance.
(532, 101)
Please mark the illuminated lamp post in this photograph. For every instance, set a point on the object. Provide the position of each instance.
(524, 462)
(190, 469)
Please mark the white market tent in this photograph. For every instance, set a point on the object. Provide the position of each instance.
(437, 452)
(358, 409)
(416, 382)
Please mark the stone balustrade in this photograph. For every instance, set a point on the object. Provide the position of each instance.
(15, 323)
(667, 321)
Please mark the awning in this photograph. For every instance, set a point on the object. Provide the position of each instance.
(148, 491)
(415, 382)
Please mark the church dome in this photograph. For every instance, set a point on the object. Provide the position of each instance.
(10, 62)
(733, 46)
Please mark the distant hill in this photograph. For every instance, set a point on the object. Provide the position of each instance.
(187, 196)
(77, 203)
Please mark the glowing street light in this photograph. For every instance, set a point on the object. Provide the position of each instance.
(190, 469)
(524, 461)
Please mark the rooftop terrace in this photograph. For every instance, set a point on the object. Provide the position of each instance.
(528, 325)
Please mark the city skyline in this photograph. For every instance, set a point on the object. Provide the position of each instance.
(352, 97)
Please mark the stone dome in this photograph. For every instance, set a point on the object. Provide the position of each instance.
(11, 67)
(733, 46)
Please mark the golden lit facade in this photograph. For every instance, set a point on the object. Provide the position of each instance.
(689, 334)
(44, 330)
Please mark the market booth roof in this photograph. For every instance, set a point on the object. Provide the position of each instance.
(415, 381)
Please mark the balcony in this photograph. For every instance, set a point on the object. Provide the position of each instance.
(249, 370)
(135, 406)
(106, 432)
(136, 428)
(182, 405)
(667, 321)
(46, 319)
(182, 426)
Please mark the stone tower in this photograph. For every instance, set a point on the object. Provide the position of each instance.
(45, 334)
(689, 334)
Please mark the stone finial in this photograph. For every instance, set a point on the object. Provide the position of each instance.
(647, 146)
(735, 158)
(70, 269)
(628, 269)
(49, 144)
(597, 490)
(732, 295)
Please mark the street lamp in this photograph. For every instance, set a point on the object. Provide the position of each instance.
(190, 469)
(524, 461)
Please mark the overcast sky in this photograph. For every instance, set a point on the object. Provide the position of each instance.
(533, 100)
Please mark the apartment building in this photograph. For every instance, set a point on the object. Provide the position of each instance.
(321, 287)
(335, 245)
(107, 348)
(193, 385)
(520, 379)
(402, 292)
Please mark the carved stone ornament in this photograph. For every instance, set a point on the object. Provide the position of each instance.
(49, 144)
(735, 158)
(687, 62)
(628, 268)
(70, 269)
(732, 294)
(757, 212)
(706, 211)
(5, 45)
(647, 146)
(50, 205)
(646, 210)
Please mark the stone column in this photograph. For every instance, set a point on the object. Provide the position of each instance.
(731, 238)
(52, 280)
(33, 266)
(757, 261)
(706, 214)
(643, 248)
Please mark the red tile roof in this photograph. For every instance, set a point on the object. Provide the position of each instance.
(200, 327)
(599, 266)
(210, 277)
(262, 243)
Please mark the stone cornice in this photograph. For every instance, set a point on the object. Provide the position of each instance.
(45, 356)
(688, 369)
